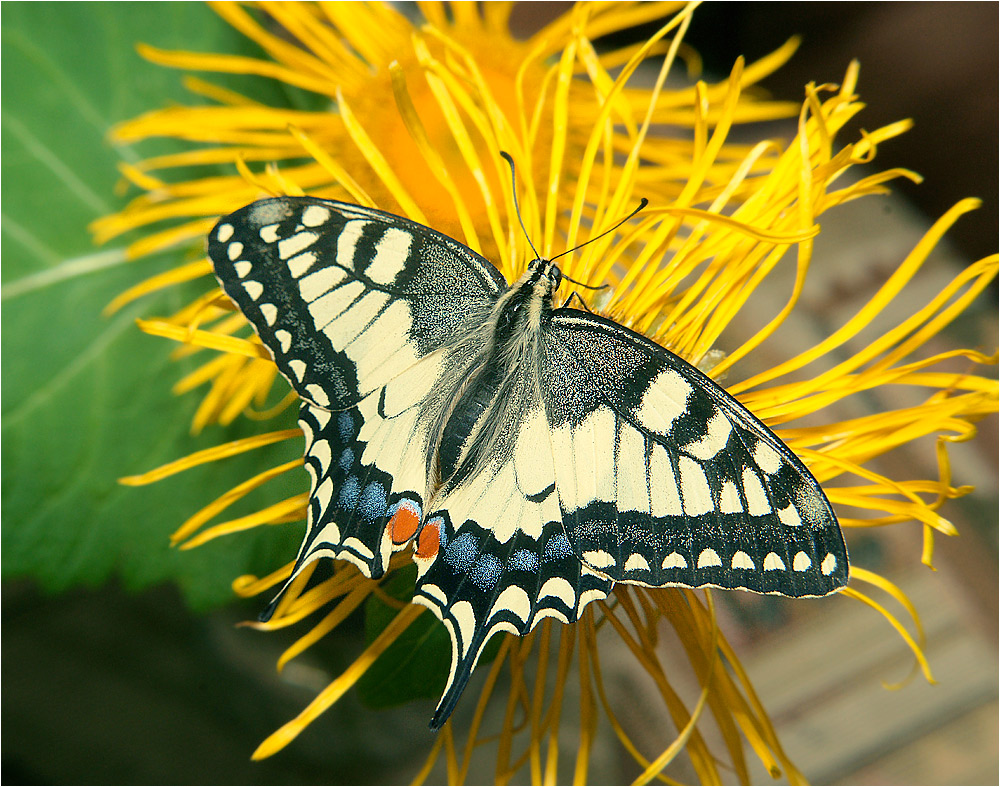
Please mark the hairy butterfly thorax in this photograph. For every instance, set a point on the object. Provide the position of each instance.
(530, 455)
(480, 424)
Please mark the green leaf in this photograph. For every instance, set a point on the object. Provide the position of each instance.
(86, 399)
(416, 665)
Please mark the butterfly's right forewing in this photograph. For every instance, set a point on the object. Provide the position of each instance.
(665, 479)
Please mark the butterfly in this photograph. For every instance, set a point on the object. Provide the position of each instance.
(530, 456)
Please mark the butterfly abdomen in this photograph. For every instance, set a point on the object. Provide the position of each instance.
(474, 401)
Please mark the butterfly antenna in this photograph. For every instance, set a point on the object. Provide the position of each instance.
(642, 204)
(585, 286)
(517, 210)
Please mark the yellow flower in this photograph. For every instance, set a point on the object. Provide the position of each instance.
(413, 119)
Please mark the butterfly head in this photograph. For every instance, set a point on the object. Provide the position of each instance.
(545, 278)
(524, 306)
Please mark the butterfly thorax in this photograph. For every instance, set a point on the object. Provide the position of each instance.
(479, 425)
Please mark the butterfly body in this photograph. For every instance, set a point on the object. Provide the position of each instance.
(531, 456)
(490, 400)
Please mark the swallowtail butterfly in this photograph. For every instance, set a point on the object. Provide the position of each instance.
(531, 455)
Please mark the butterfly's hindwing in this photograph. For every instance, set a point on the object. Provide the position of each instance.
(368, 471)
(478, 586)
(509, 564)
(665, 480)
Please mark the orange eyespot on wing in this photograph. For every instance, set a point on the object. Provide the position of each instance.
(404, 523)
(428, 542)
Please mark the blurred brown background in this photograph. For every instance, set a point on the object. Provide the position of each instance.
(933, 62)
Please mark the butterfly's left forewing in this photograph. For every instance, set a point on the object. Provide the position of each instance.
(346, 298)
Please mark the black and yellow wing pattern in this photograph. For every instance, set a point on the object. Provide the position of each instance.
(530, 456)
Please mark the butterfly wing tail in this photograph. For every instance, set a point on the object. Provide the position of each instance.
(268, 611)
(479, 585)
(464, 657)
